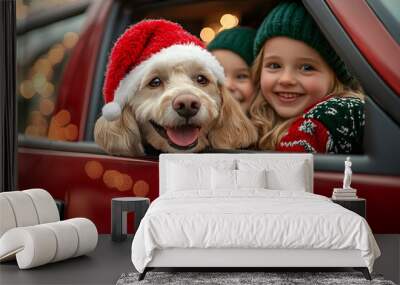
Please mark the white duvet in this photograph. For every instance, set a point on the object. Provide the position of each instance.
(256, 218)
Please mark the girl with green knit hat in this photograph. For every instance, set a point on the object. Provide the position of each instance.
(305, 100)
(233, 48)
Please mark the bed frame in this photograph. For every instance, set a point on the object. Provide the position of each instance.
(243, 259)
(250, 258)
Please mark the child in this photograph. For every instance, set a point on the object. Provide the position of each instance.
(234, 50)
(304, 98)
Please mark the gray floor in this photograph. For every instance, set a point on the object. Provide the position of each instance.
(102, 266)
(388, 264)
(110, 259)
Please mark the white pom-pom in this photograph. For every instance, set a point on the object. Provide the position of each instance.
(111, 111)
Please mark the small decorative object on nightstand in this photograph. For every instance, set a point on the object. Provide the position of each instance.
(347, 192)
(119, 209)
(347, 196)
(357, 205)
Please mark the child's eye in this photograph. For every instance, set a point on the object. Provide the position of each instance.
(242, 76)
(307, 67)
(273, 65)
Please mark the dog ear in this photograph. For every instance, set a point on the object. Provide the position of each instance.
(233, 129)
(119, 137)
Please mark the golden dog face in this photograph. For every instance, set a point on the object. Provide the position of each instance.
(177, 108)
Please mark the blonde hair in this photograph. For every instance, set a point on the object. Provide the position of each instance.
(271, 127)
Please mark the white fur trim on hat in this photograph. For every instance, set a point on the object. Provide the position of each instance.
(129, 85)
(111, 111)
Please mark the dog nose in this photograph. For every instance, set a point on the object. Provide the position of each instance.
(186, 105)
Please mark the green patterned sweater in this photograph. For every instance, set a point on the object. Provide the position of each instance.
(335, 125)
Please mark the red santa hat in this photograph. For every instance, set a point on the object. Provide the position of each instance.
(138, 49)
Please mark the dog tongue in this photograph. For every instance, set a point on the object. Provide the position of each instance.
(183, 136)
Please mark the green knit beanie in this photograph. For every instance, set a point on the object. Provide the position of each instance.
(290, 19)
(238, 40)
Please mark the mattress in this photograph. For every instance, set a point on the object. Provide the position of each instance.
(251, 219)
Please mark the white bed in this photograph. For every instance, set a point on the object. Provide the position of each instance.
(247, 210)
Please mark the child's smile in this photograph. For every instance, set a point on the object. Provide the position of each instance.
(288, 97)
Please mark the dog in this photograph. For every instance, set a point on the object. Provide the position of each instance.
(178, 107)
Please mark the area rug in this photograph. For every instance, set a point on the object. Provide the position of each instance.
(243, 278)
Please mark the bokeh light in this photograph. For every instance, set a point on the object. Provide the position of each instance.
(26, 89)
(94, 169)
(47, 90)
(56, 133)
(71, 132)
(207, 34)
(46, 107)
(56, 54)
(70, 39)
(44, 67)
(61, 128)
(62, 118)
(113, 179)
(38, 81)
(37, 119)
(229, 21)
(127, 182)
(141, 188)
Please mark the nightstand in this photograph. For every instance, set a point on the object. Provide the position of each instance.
(356, 205)
(119, 208)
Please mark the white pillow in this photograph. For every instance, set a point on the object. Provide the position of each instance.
(223, 179)
(228, 179)
(182, 177)
(281, 180)
(251, 178)
(282, 174)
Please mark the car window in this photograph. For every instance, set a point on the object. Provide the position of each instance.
(38, 83)
(44, 43)
(205, 20)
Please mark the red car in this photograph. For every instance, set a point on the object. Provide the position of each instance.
(56, 149)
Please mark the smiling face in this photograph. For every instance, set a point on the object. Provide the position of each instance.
(238, 79)
(176, 106)
(293, 76)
